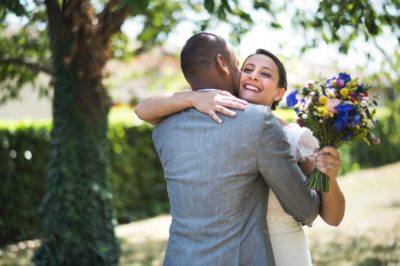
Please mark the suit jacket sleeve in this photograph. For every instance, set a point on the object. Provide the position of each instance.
(282, 174)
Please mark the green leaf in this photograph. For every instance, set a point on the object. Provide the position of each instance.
(225, 5)
(262, 4)
(371, 25)
(60, 3)
(138, 7)
(221, 13)
(276, 25)
(12, 6)
(209, 5)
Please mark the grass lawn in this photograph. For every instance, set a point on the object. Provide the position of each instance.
(369, 234)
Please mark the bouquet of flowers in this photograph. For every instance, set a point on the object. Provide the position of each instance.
(336, 110)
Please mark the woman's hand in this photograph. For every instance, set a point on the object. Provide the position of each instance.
(212, 101)
(333, 203)
(156, 108)
(328, 161)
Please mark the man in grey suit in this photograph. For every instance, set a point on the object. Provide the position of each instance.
(218, 175)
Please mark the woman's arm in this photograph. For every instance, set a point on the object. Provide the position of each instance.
(332, 202)
(154, 109)
(307, 166)
(327, 161)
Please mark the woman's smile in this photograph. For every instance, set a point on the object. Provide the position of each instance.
(251, 87)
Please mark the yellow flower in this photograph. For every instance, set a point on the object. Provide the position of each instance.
(323, 99)
(352, 83)
(298, 105)
(344, 92)
(322, 111)
(333, 82)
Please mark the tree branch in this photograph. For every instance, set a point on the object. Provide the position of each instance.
(71, 6)
(111, 18)
(55, 18)
(33, 66)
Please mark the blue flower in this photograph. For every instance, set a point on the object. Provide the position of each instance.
(348, 117)
(355, 120)
(344, 117)
(329, 82)
(345, 77)
(291, 99)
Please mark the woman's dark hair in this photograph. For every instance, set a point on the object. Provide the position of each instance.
(282, 82)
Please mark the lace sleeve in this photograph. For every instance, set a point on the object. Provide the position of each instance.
(306, 145)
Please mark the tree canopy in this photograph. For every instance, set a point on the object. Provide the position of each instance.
(24, 46)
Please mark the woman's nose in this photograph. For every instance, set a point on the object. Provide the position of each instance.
(254, 76)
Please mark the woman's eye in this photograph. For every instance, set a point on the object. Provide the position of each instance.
(247, 70)
(266, 75)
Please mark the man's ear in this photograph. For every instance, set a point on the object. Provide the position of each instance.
(222, 64)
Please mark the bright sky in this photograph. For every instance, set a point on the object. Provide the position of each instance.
(286, 42)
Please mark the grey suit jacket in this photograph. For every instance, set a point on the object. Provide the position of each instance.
(218, 178)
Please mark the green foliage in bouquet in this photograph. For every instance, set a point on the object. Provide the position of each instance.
(336, 110)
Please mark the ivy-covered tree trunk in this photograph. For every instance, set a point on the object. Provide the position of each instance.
(76, 210)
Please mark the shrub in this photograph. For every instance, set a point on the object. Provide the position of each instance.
(23, 163)
(136, 177)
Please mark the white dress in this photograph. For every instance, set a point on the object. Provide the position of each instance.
(288, 241)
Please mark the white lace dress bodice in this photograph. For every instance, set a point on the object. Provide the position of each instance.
(287, 236)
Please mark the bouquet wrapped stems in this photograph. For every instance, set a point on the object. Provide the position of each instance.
(318, 181)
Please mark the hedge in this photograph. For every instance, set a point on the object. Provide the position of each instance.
(136, 177)
(137, 183)
(23, 158)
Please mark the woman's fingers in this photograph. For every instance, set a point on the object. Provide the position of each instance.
(227, 93)
(214, 116)
(224, 110)
(330, 150)
(238, 100)
(328, 161)
(211, 102)
(231, 102)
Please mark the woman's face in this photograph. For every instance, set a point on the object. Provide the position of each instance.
(259, 81)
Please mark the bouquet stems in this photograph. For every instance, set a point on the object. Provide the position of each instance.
(318, 181)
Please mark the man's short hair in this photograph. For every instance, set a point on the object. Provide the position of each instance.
(201, 51)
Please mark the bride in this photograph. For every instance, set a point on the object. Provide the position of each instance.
(263, 81)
